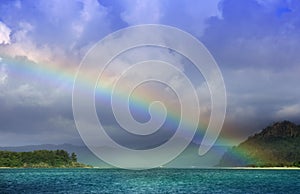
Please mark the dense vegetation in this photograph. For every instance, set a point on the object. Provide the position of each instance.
(277, 145)
(39, 159)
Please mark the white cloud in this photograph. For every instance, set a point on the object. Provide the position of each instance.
(54, 36)
(187, 16)
(23, 45)
(288, 111)
(139, 12)
(30, 41)
(4, 34)
(90, 25)
(3, 73)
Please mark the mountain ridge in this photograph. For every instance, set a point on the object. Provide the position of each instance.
(276, 145)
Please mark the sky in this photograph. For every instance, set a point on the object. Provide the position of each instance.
(256, 44)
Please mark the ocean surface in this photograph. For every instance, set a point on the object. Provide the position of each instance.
(149, 181)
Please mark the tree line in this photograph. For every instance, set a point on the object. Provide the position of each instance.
(39, 159)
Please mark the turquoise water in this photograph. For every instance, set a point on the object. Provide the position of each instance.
(148, 181)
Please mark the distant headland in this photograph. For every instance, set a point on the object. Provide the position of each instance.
(277, 145)
(40, 159)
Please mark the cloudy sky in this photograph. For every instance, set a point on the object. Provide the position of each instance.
(256, 44)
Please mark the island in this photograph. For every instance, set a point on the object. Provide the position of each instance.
(277, 145)
(40, 159)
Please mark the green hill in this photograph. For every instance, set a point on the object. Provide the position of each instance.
(39, 159)
(277, 145)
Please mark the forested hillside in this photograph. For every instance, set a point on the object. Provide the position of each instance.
(39, 159)
(276, 145)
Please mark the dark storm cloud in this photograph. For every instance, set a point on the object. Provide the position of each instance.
(255, 34)
(29, 119)
(256, 44)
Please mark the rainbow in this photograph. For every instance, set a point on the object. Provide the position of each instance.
(55, 74)
(50, 74)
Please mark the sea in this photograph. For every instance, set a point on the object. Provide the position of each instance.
(149, 181)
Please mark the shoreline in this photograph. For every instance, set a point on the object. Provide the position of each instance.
(259, 168)
(204, 168)
(1, 167)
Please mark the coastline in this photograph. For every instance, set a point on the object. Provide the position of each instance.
(259, 168)
(46, 167)
(204, 168)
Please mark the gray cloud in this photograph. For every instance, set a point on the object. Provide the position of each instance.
(255, 43)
